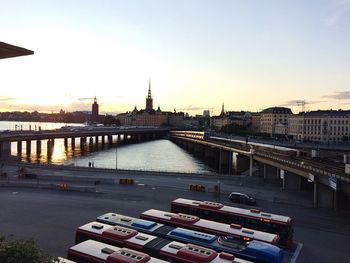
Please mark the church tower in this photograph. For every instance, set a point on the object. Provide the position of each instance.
(222, 110)
(149, 100)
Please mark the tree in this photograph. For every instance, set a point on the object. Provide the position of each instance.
(23, 251)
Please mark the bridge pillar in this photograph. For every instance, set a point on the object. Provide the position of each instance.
(103, 140)
(335, 200)
(283, 174)
(220, 158)
(325, 196)
(110, 139)
(264, 171)
(234, 163)
(251, 165)
(226, 160)
(96, 140)
(242, 163)
(91, 141)
(73, 142)
(5, 149)
(49, 147)
(29, 147)
(65, 142)
(82, 142)
(315, 203)
(209, 153)
(38, 147)
(229, 162)
(19, 147)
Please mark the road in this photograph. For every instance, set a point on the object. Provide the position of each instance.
(51, 216)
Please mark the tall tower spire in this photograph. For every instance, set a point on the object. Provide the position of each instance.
(222, 109)
(149, 100)
(149, 90)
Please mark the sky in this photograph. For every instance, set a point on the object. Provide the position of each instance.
(247, 54)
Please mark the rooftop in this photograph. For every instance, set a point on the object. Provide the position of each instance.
(9, 51)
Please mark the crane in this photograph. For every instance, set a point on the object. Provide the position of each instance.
(301, 103)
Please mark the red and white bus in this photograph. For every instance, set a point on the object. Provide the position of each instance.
(154, 246)
(207, 226)
(252, 218)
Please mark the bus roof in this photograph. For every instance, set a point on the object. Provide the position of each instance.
(96, 249)
(207, 226)
(255, 213)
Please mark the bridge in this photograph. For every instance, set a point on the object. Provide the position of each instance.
(70, 134)
(328, 183)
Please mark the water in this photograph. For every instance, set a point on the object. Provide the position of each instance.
(26, 125)
(159, 155)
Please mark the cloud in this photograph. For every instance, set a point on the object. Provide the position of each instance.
(6, 98)
(341, 8)
(191, 108)
(45, 108)
(338, 95)
(291, 103)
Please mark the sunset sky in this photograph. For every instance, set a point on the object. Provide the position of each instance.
(197, 53)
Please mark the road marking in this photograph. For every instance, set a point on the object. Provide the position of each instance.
(14, 193)
(296, 253)
(141, 184)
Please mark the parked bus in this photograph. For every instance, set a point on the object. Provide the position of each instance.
(211, 227)
(250, 250)
(158, 247)
(92, 251)
(251, 218)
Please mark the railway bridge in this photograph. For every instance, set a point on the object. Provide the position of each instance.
(85, 135)
(328, 183)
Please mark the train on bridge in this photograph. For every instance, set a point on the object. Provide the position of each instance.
(258, 147)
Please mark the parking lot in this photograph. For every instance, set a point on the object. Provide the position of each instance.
(52, 216)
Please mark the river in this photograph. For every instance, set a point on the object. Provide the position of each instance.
(158, 155)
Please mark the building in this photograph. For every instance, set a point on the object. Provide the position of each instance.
(255, 122)
(151, 117)
(241, 118)
(95, 116)
(296, 126)
(274, 121)
(324, 126)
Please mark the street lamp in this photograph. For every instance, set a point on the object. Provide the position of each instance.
(116, 156)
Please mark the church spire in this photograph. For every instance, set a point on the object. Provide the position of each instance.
(149, 100)
(149, 90)
(223, 109)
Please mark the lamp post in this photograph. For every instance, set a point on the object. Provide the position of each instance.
(116, 156)
(219, 181)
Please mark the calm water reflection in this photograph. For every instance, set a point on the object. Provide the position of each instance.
(159, 155)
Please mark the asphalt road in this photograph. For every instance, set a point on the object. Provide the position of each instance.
(51, 217)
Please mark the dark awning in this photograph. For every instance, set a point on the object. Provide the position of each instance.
(9, 51)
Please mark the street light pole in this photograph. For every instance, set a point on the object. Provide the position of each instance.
(219, 182)
(116, 157)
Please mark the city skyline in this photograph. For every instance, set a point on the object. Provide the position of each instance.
(198, 54)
